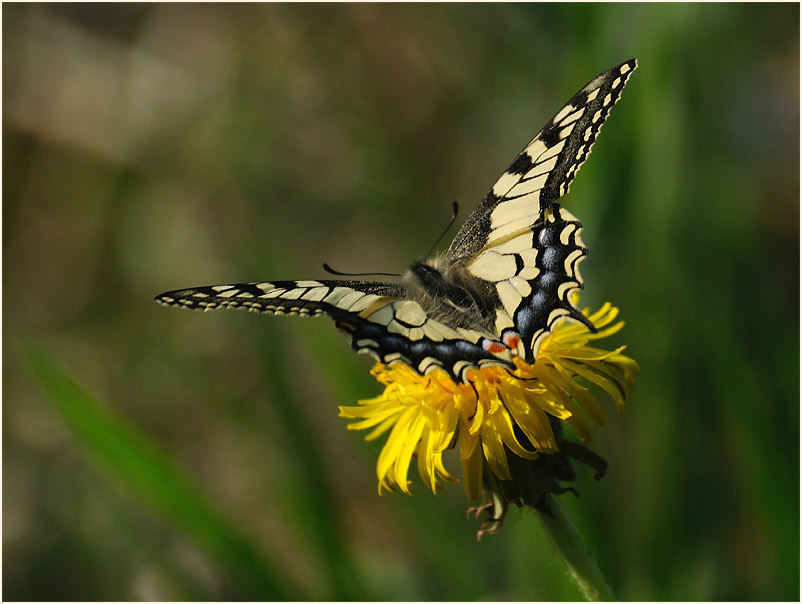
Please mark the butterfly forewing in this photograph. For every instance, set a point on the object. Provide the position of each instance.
(543, 171)
(378, 318)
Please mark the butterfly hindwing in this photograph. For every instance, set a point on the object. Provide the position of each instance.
(378, 318)
(534, 275)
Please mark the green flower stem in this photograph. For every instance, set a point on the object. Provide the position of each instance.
(583, 569)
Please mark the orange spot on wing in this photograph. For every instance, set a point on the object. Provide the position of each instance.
(493, 347)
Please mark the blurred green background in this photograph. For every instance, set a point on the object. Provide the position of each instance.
(150, 453)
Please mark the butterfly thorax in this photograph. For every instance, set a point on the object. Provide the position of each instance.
(450, 295)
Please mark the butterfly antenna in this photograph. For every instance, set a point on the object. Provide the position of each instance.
(454, 212)
(330, 270)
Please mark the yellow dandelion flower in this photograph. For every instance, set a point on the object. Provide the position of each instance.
(507, 423)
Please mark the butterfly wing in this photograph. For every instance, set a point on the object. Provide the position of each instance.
(378, 318)
(544, 170)
(534, 275)
(519, 239)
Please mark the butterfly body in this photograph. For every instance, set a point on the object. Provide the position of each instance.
(506, 279)
(448, 294)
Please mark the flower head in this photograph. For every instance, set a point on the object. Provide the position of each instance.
(507, 423)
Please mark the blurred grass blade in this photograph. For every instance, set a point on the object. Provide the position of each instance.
(155, 478)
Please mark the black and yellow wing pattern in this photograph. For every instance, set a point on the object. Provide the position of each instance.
(501, 286)
(379, 318)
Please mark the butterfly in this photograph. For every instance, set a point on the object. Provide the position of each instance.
(501, 286)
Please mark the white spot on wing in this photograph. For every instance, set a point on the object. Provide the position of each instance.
(316, 294)
(429, 364)
(273, 293)
(565, 234)
(491, 266)
(517, 245)
(510, 298)
(505, 183)
(512, 228)
(566, 288)
(529, 273)
(514, 210)
(521, 286)
(361, 303)
(350, 300)
(573, 117)
(443, 331)
(538, 168)
(563, 112)
(571, 259)
(535, 149)
(294, 294)
(566, 132)
(337, 294)
(409, 312)
(396, 357)
(382, 316)
(503, 320)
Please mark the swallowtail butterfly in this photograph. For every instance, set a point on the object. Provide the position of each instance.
(499, 288)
